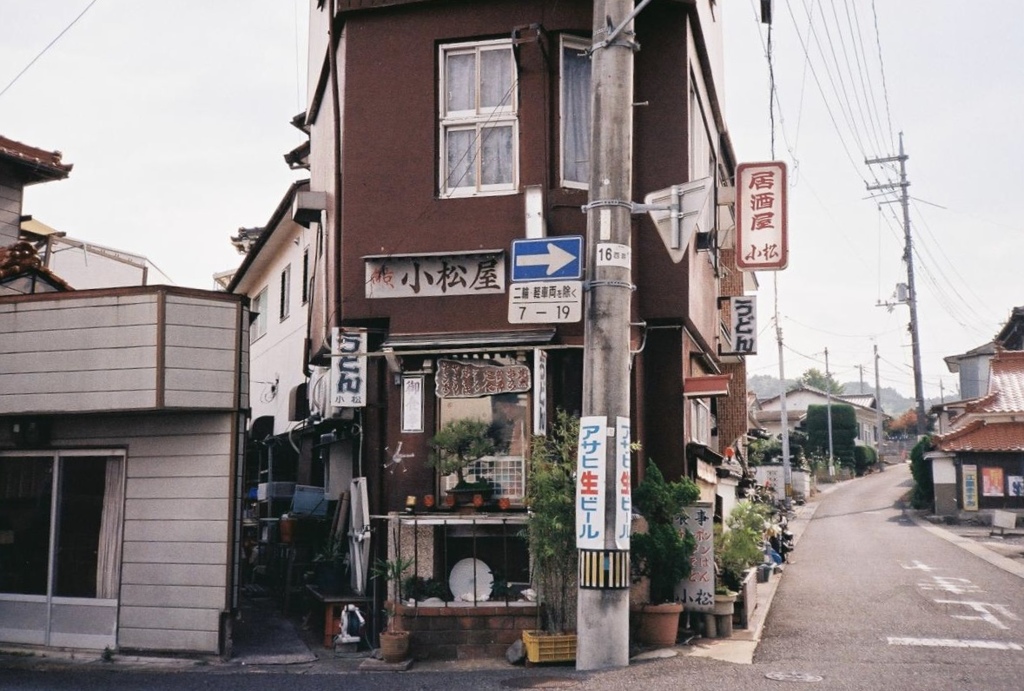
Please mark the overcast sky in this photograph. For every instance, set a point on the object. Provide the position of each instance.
(176, 118)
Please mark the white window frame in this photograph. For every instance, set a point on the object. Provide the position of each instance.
(570, 43)
(285, 291)
(260, 304)
(475, 120)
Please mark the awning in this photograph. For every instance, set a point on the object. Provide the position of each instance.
(491, 339)
(706, 386)
(704, 453)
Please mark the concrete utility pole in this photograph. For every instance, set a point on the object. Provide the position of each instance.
(828, 393)
(603, 612)
(908, 257)
(878, 410)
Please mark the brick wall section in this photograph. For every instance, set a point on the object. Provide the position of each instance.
(732, 409)
(462, 633)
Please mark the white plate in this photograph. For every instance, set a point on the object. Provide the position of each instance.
(469, 576)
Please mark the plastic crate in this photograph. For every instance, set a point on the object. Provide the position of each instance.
(549, 647)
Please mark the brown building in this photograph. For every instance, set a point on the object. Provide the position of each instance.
(440, 133)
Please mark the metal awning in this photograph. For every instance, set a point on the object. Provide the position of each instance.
(706, 386)
(488, 339)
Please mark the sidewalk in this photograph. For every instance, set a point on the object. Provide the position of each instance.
(265, 640)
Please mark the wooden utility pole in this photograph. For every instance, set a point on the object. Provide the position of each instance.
(603, 610)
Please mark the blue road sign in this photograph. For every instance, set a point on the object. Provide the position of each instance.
(548, 259)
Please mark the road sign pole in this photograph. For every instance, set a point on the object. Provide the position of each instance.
(603, 613)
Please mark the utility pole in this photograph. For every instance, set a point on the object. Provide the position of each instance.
(908, 257)
(828, 393)
(787, 470)
(878, 410)
(603, 611)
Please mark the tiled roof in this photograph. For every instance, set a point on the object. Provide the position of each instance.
(1006, 385)
(980, 435)
(38, 164)
(21, 258)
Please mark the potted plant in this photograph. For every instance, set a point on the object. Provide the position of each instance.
(394, 643)
(737, 551)
(551, 536)
(662, 553)
(329, 566)
(457, 445)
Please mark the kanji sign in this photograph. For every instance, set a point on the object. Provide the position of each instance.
(623, 494)
(697, 592)
(762, 242)
(743, 319)
(435, 275)
(348, 368)
(590, 476)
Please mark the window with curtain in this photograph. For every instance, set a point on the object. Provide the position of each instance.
(479, 119)
(84, 506)
(575, 113)
(259, 311)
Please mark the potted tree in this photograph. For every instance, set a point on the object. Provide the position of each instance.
(551, 536)
(737, 551)
(394, 643)
(457, 445)
(662, 553)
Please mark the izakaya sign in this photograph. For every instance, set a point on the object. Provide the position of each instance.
(762, 243)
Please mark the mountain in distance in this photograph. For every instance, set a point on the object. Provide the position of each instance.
(893, 402)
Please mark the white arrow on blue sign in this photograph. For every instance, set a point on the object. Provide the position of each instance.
(546, 259)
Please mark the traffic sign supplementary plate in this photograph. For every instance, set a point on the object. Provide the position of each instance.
(545, 302)
(547, 259)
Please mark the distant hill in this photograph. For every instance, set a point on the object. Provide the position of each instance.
(893, 402)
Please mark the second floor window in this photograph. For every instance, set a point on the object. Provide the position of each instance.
(258, 325)
(286, 292)
(575, 113)
(479, 124)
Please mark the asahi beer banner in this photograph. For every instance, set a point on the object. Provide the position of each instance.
(743, 317)
(762, 240)
(590, 478)
(623, 495)
(348, 368)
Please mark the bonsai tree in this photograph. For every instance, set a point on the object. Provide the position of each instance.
(460, 443)
(551, 526)
(663, 552)
(742, 546)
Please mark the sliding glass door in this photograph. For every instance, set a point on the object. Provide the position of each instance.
(60, 547)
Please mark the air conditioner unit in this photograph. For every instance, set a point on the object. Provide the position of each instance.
(298, 403)
(307, 207)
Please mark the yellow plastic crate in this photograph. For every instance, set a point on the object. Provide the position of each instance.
(549, 647)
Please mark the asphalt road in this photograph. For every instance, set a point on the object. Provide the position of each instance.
(871, 601)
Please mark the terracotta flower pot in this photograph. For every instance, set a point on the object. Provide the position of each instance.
(394, 645)
(658, 624)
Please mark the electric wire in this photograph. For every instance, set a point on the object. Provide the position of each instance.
(48, 46)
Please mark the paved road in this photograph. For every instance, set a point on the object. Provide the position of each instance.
(875, 601)
(872, 601)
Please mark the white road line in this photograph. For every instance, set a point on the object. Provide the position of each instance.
(954, 643)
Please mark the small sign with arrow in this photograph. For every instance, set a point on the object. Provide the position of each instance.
(547, 259)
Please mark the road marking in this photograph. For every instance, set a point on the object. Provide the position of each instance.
(983, 608)
(957, 586)
(954, 643)
(918, 566)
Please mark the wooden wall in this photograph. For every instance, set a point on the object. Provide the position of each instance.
(178, 512)
(10, 207)
(117, 350)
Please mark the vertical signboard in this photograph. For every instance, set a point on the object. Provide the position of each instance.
(697, 592)
(743, 318)
(970, 475)
(623, 495)
(348, 368)
(590, 478)
(762, 241)
(540, 392)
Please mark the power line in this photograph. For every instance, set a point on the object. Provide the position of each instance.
(48, 46)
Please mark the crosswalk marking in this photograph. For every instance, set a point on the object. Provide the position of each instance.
(955, 643)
